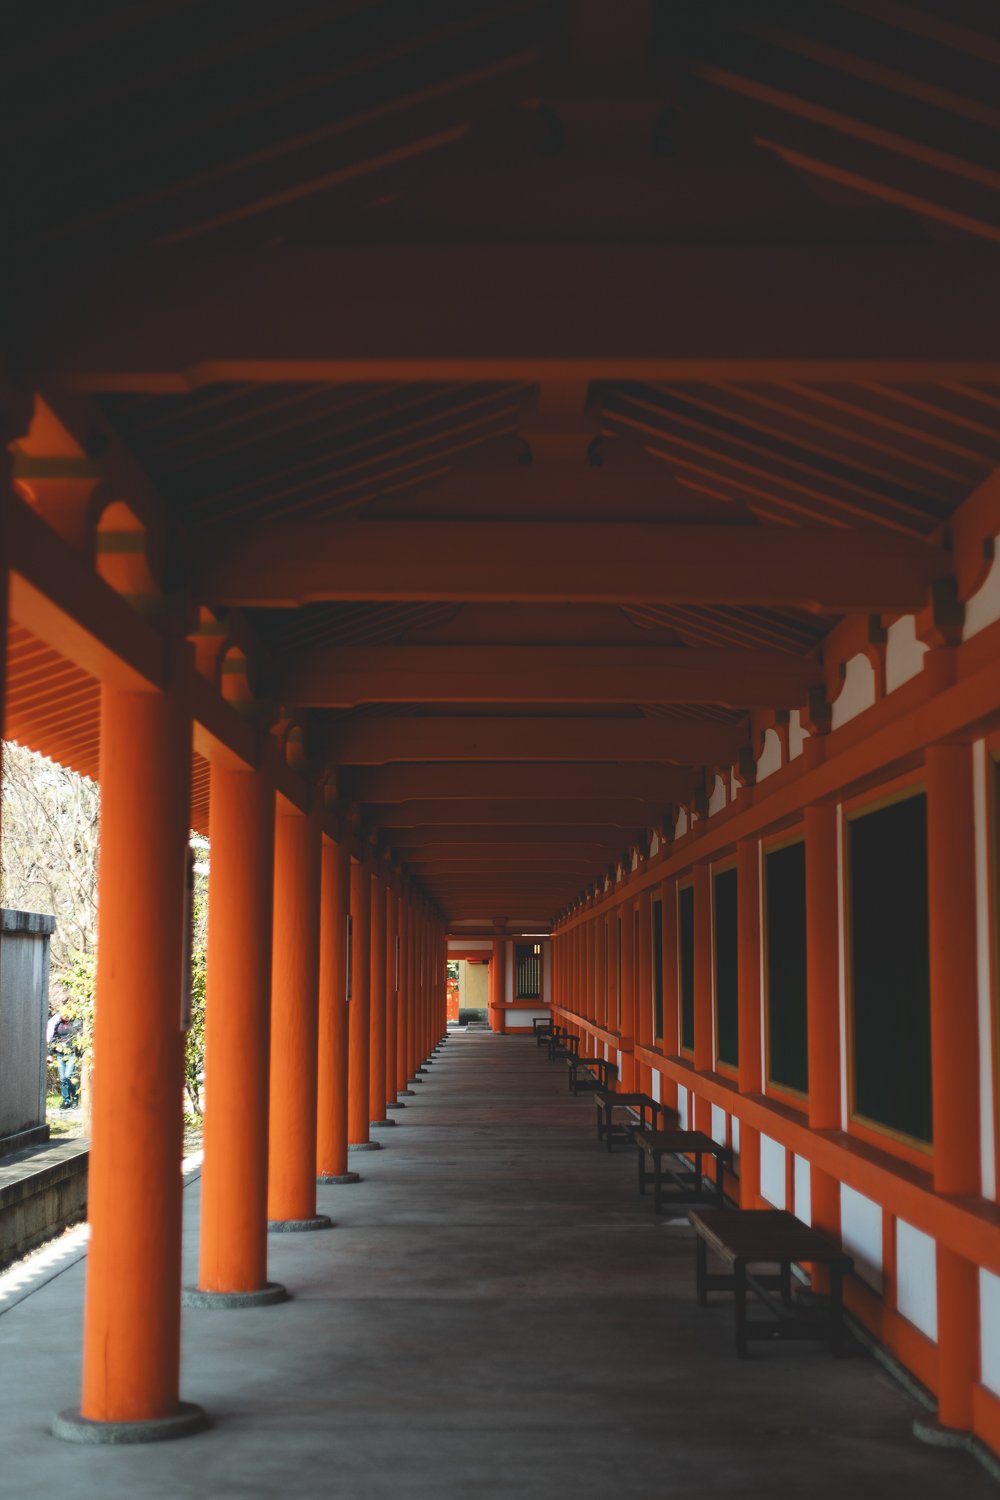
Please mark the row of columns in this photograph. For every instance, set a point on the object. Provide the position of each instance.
(297, 1073)
(589, 987)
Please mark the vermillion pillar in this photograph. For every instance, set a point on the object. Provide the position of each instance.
(500, 965)
(376, 1058)
(331, 1115)
(403, 1004)
(131, 1350)
(823, 1002)
(954, 1054)
(233, 1266)
(644, 1000)
(412, 1054)
(291, 1183)
(627, 1081)
(392, 910)
(671, 996)
(704, 1057)
(749, 1006)
(359, 1010)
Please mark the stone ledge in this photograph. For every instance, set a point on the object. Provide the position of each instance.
(43, 1190)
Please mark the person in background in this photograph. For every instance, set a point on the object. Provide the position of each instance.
(63, 1041)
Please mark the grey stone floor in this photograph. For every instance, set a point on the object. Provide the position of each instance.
(495, 1314)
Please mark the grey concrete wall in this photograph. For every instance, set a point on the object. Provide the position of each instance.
(42, 1191)
(24, 1012)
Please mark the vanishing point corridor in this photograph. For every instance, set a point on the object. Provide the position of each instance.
(496, 1313)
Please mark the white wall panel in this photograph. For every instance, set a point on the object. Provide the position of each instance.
(989, 1330)
(772, 1171)
(717, 801)
(718, 1125)
(904, 654)
(984, 606)
(803, 1189)
(916, 1278)
(656, 1085)
(858, 692)
(736, 1138)
(797, 735)
(682, 1107)
(861, 1233)
(770, 755)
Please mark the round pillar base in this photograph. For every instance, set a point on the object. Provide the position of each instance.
(397, 1105)
(381, 1124)
(406, 1094)
(296, 1226)
(265, 1296)
(339, 1177)
(929, 1430)
(416, 1080)
(74, 1428)
(365, 1146)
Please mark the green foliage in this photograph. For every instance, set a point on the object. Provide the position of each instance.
(78, 980)
(194, 1049)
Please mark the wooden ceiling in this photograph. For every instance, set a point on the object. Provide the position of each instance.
(540, 382)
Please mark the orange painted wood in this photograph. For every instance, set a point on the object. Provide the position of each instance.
(345, 676)
(359, 1009)
(704, 976)
(131, 1348)
(238, 983)
(410, 784)
(281, 564)
(403, 1005)
(392, 910)
(291, 1181)
(377, 1001)
(335, 893)
(576, 738)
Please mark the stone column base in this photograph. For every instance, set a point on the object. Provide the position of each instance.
(186, 1420)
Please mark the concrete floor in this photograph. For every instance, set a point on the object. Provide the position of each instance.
(496, 1313)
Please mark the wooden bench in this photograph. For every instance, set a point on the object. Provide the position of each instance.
(755, 1237)
(611, 1130)
(599, 1077)
(541, 1027)
(562, 1043)
(681, 1183)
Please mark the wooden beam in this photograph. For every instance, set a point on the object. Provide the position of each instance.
(344, 676)
(174, 319)
(385, 785)
(627, 812)
(517, 562)
(611, 834)
(576, 739)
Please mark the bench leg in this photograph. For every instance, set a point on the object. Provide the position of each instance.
(740, 1307)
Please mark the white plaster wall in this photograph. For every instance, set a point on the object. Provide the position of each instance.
(797, 735)
(802, 1187)
(984, 606)
(984, 983)
(525, 1017)
(474, 945)
(861, 1233)
(858, 692)
(717, 801)
(989, 1330)
(682, 1107)
(736, 1138)
(508, 972)
(654, 844)
(770, 755)
(916, 1278)
(655, 1085)
(718, 1125)
(772, 1171)
(547, 973)
(904, 654)
(681, 826)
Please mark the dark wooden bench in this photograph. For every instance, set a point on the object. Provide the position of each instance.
(588, 1075)
(679, 1183)
(541, 1027)
(746, 1238)
(613, 1131)
(562, 1043)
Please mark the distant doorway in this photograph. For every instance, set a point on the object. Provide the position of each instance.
(473, 991)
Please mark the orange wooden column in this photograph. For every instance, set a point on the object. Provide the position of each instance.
(392, 912)
(412, 1057)
(359, 1009)
(823, 1002)
(627, 1081)
(233, 1267)
(954, 1059)
(644, 998)
(749, 1001)
(403, 1013)
(497, 979)
(671, 996)
(704, 1054)
(131, 1347)
(376, 1056)
(291, 1177)
(331, 1114)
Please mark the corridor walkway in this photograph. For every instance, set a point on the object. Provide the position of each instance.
(495, 1314)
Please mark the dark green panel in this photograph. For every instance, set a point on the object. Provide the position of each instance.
(726, 968)
(658, 970)
(785, 906)
(685, 939)
(889, 959)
